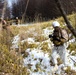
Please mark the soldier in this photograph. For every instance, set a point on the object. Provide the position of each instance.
(59, 39)
(17, 20)
(4, 23)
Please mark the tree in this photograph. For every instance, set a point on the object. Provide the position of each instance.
(4, 9)
(65, 17)
(24, 14)
(1, 6)
(46, 8)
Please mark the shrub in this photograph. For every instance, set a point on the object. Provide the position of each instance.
(45, 47)
(68, 71)
(10, 62)
(72, 47)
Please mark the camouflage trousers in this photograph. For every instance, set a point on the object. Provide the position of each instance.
(59, 51)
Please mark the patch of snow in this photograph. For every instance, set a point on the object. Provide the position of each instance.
(46, 32)
(25, 24)
(40, 61)
(15, 41)
(37, 57)
(72, 40)
(30, 40)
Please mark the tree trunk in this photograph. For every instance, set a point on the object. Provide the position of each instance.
(4, 9)
(24, 14)
(65, 17)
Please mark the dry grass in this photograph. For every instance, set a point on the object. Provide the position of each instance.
(68, 71)
(72, 47)
(11, 61)
(32, 32)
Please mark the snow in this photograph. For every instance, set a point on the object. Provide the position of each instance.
(30, 40)
(20, 25)
(38, 57)
(15, 41)
(38, 62)
(72, 40)
(47, 31)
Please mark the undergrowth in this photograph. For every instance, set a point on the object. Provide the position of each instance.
(11, 61)
(72, 48)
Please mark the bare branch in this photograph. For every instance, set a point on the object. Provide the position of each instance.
(65, 17)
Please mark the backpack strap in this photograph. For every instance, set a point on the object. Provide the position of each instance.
(57, 33)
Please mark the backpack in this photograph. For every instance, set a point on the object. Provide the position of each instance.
(65, 35)
(60, 36)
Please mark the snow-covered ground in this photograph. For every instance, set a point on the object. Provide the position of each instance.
(38, 61)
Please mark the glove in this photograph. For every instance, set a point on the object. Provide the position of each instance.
(50, 36)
